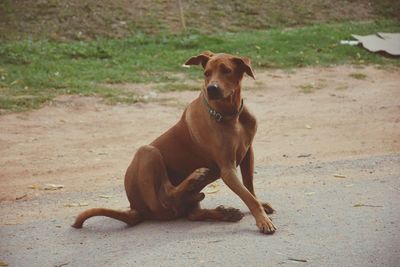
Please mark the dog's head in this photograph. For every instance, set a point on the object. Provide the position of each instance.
(223, 73)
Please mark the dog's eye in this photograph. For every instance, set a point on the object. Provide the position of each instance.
(207, 73)
(225, 70)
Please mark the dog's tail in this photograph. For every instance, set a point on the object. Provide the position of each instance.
(131, 217)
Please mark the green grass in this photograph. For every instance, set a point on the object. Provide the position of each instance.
(358, 76)
(33, 72)
(307, 88)
(311, 87)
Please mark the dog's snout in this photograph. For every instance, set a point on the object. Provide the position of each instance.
(213, 91)
(212, 88)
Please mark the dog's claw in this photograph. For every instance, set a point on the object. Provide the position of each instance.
(266, 226)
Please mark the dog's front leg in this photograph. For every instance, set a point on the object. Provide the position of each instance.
(229, 176)
(247, 170)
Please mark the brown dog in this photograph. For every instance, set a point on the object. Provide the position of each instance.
(212, 138)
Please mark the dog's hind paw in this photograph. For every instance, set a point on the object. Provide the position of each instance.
(267, 207)
(230, 214)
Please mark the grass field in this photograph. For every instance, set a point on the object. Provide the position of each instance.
(33, 72)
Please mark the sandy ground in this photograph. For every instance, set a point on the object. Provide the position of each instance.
(327, 158)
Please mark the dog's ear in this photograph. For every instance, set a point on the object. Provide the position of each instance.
(202, 59)
(244, 63)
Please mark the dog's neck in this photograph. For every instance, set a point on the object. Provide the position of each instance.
(227, 109)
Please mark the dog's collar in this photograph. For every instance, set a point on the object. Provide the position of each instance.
(218, 116)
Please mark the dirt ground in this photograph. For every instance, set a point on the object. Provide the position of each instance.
(326, 154)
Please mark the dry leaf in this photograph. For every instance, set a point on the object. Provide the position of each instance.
(52, 187)
(71, 205)
(105, 196)
(212, 188)
(3, 263)
(308, 126)
(309, 193)
(33, 186)
(348, 185)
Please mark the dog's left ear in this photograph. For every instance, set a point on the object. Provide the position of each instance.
(244, 63)
(202, 59)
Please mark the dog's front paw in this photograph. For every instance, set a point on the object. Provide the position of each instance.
(230, 214)
(267, 207)
(266, 226)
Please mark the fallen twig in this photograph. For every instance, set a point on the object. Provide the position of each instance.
(299, 260)
(304, 155)
(21, 197)
(215, 241)
(339, 176)
(366, 205)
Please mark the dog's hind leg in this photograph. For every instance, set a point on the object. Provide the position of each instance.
(150, 191)
(218, 214)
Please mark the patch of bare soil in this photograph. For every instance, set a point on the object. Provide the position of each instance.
(306, 115)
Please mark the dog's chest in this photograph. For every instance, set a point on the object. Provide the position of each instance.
(234, 143)
(242, 147)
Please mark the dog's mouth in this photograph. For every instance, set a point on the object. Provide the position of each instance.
(214, 95)
(214, 92)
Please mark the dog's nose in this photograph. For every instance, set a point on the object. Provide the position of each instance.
(213, 91)
(212, 88)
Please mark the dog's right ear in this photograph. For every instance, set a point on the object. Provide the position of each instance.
(202, 59)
